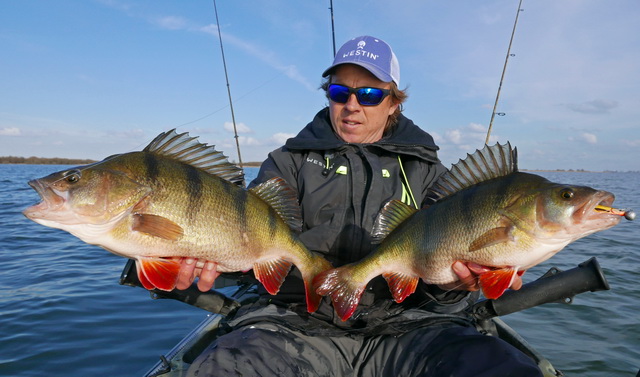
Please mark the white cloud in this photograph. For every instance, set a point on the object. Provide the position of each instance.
(632, 143)
(241, 128)
(597, 106)
(454, 136)
(171, 22)
(589, 138)
(280, 138)
(477, 127)
(267, 56)
(473, 134)
(250, 141)
(10, 131)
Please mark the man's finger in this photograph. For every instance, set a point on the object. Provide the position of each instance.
(185, 276)
(467, 278)
(208, 276)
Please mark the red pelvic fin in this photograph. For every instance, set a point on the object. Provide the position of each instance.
(158, 273)
(401, 285)
(271, 273)
(495, 282)
(345, 294)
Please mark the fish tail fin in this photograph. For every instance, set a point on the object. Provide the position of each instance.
(345, 292)
(400, 284)
(495, 282)
(318, 265)
(271, 273)
(158, 273)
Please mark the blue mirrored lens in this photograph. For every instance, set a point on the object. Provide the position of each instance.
(366, 96)
(369, 96)
(339, 93)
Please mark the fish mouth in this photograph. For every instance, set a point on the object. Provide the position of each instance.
(588, 214)
(50, 200)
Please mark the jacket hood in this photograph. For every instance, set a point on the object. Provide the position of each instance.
(406, 138)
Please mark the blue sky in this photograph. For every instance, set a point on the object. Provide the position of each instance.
(90, 78)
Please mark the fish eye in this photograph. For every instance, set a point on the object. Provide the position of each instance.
(566, 194)
(72, 176)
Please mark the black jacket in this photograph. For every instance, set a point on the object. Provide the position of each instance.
(342, 187)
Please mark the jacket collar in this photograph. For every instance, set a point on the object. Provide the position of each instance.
(406, 138)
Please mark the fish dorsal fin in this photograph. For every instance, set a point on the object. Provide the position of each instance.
(391, 215)
(484, 164)
(283, 199)
(190, 151)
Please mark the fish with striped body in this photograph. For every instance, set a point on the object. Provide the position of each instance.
(180, 198)
(485, 211)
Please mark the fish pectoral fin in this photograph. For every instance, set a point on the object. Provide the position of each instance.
(401, 285)
(157, 226)
(495, 282)
(158, 273)
(492, 237)
(271, 273)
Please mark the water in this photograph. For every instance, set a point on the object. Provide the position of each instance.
(62, 312)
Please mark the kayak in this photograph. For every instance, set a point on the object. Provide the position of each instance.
(554, 286)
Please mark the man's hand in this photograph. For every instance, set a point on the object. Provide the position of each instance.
(468, 277)
(191, 268)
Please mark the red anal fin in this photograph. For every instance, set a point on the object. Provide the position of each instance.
(158, 273)
(495, 282)
(401, 285)
(271, 273)
(157, 226)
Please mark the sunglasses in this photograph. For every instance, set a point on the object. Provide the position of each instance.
(366, 96)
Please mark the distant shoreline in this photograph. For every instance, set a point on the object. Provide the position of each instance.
(43, 161)
(70, 161)
(251, 164)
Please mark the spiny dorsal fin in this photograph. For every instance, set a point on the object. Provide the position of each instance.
(283, 199)
(391, 215)
(484, 164)
(190, 151)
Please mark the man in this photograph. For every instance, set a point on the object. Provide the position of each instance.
(357, 154)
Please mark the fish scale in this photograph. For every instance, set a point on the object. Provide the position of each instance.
(483, 210)
(176, 199)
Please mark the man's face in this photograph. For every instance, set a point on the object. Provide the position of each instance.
(353, 122)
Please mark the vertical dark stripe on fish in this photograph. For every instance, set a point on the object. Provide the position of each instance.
(273, 222)
(468, 201)
(194, 191)
(242, 199)
(151, 164)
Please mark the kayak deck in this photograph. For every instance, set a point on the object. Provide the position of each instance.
(178, 360)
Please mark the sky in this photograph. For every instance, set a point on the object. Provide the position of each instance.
(92, 78)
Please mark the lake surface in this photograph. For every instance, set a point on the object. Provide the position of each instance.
(63, 313)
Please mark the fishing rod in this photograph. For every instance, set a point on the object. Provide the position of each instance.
(226, 76)
(333, 30)
(504, 69)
